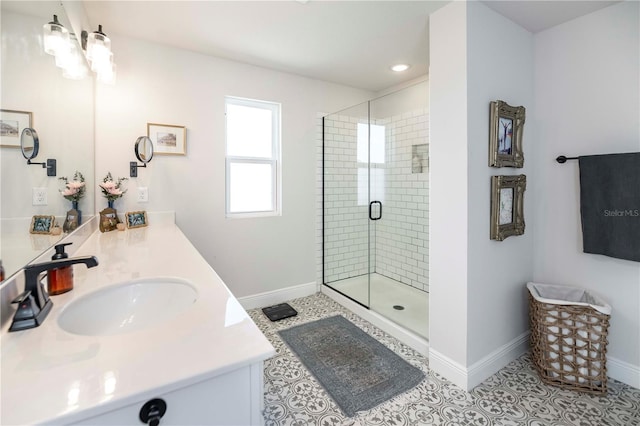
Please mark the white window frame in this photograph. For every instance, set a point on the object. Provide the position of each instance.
(274, 161)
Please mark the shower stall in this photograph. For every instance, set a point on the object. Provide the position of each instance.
(375, 210)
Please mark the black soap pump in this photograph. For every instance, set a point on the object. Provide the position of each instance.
(60, 280)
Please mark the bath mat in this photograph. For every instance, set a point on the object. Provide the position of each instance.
(356, 370)
(279, 312)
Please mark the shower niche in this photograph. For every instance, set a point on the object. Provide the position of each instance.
(376, 205)
(419, 158)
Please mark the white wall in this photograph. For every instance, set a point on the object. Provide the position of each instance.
(172, 86)
(500, 66)
(580, 84)
(478, 302)
(587, 84)
(448, 196)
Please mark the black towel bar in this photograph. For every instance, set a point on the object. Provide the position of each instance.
(562, 159)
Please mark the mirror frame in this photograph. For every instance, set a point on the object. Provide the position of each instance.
(137, 149)
(36, 142)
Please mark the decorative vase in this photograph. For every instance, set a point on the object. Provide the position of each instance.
(75, 207)
(110, 203)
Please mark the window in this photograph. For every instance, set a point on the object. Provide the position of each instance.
(370, 157)
(253, 157)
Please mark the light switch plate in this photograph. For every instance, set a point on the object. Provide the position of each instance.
(39, 196)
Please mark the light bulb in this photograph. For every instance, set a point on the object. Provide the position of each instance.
(400, 67)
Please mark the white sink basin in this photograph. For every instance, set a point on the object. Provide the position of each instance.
(127, 307)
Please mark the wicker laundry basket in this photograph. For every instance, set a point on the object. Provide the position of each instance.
(569, 329)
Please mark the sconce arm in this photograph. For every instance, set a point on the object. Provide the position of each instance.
(51, 166)
(133, 168)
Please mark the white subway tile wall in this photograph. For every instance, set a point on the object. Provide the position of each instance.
(400, 239)
(402, 235)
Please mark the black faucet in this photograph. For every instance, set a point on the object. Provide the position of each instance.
(34, 303)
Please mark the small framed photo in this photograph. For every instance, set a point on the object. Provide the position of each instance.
(108, 220)
(505, 135)
(11, 125)
(42, 224)
(507, 206)
(167, 139)
(136, 219)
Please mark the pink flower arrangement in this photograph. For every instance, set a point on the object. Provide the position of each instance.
(112, 190)
(73, 189)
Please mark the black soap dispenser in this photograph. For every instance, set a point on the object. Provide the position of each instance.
(60, 280)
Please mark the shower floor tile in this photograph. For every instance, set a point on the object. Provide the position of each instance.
(513, 396)
(386, 293)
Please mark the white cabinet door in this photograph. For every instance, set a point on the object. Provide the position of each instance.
(234, 398)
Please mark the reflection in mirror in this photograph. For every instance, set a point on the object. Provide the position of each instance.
(144, 149)
(144, 152)
(29, 143)
(61, 109)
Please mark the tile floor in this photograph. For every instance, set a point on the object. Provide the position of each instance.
(513, 396)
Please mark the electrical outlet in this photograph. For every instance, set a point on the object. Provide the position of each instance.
(39, 196)
(143, 194)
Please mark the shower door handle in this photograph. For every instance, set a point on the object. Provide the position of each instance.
(371, 210)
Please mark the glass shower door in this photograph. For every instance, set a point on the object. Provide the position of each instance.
(346, 203)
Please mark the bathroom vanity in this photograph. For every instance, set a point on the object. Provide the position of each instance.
(152, 320)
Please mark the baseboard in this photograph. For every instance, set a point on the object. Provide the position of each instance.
(623, 372)
(480, 371)
(449, 369)
(407, 337)
(274, 297)
(468, 378)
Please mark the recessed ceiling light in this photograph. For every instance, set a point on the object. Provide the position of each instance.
(400, 67)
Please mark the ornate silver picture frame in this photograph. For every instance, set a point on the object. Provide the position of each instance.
(505, 135)
(507, 206)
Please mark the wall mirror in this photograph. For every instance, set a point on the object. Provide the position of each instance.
(29, 143)
(61, 110)
(144, 153)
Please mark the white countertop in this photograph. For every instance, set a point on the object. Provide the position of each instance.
(52, 376)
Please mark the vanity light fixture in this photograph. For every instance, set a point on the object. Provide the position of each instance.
(96, 47)
(400, 67)
(56, 37)
(72, 63)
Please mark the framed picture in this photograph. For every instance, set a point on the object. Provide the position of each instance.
(108, 220)
(136, 219)
(42, 224)
(11, 125)
(167, 139)
(505, 135)
(507, 206)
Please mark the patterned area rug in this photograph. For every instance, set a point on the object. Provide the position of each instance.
(514, 396)
(356, 370)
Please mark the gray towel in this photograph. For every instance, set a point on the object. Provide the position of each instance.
(610, 205)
